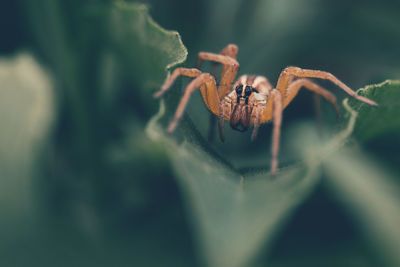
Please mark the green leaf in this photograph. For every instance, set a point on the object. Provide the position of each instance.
(368, 191)
(146, 48)
(373, 123)
(378, 129)
(235, 213)
(371, 197)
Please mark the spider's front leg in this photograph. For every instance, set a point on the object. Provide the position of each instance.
(288, 73)
(203, 80)
(264, 88)
(226, 57)
(277, 109)
(175, 74)
(229, 69)
(270, 108)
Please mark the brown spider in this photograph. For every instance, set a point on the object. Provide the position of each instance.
(251, 100)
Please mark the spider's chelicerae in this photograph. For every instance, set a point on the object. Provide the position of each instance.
(252, 100)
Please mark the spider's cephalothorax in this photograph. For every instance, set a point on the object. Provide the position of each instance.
(241, 109)
(252, 100)
(245, 102)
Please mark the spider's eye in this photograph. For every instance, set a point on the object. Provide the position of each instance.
(239, 90)
(247, 91)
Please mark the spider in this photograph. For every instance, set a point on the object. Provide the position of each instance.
(252, 100)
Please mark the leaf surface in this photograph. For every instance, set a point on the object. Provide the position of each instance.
(236, 213)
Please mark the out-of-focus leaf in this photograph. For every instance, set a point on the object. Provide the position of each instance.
(371, 197)
(235, 213)
(378, 129)
(369, 192)
(26, 113)
(373, 123)
(147, 48)
(140, 48)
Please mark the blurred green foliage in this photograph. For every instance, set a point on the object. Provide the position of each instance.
(87, 180)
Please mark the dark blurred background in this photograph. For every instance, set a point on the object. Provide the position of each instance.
(95, 191)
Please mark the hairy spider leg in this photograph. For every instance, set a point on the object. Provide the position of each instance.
(277, 109)
(230, 67)
(175, 74)
(230, 50)
(203, 80)
(287, 73)
(229, 71)
(274, 109)
(265, 110)
(206, 82)
(221, 122)
(295, 87)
